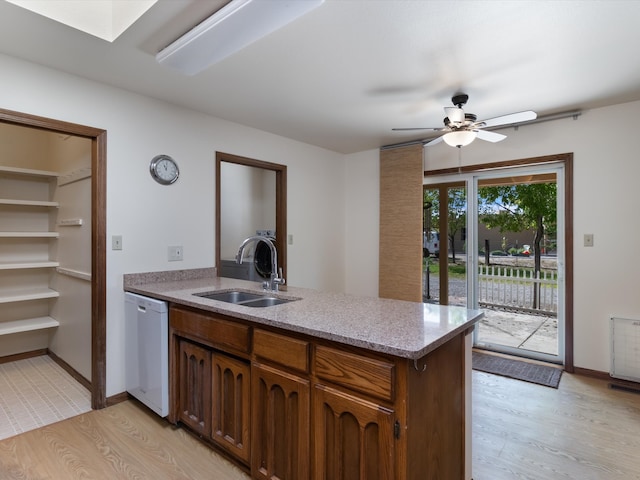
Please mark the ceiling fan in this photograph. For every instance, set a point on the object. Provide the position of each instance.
(463, 128)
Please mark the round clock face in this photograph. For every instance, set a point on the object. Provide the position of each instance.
(164, 169)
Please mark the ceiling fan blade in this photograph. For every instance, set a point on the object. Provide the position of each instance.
(512, 118)
(454, 114)
(433, 142)
(489, 136)
(439, 129)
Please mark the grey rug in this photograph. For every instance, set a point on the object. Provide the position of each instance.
(520, 370)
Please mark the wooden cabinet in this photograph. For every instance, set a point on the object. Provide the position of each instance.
(194, 387)
(370, 376)
(27, 218)
(210, 387)
(280, 424)
(292, 407)
(354, 421)
(354, 437)
(231, 397)
(280, 407)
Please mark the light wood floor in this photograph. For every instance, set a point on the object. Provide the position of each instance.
(581, 431)
(124, 441)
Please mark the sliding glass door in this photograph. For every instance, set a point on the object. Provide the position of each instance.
(500, 251)
(445, 227)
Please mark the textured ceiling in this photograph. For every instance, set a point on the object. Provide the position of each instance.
(345, 74)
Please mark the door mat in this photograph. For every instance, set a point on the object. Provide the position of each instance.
(526, 371)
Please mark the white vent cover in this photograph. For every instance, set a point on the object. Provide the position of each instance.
(625, 349)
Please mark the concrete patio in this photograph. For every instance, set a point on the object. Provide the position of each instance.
(537, 333)
(527, 332)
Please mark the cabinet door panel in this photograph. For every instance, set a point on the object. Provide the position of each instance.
(194, 389)
(231, 405)
(353, 437)
(280, 425)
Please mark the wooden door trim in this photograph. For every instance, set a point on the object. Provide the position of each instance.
(565, 159)
(281, 203)
(98, 139)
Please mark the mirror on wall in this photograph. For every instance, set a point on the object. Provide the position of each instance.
(250, 200)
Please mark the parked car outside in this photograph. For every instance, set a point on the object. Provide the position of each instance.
(430, 244)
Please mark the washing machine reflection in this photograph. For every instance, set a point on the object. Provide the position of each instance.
(257, 265)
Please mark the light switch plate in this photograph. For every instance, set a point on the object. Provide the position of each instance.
(588, 239)
(116, 242)
(175, 254)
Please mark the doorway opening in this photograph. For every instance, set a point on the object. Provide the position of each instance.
(97, 138)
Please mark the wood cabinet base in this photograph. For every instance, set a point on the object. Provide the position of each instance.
(291, 407)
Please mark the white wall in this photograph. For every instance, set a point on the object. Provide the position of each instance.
(606, 173)
(363, 221)
(71, 341)
(151, 217)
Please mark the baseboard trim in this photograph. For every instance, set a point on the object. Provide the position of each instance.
(614, 382)
(21, 356)
(118, 398)
(585, 372)
(70, 370)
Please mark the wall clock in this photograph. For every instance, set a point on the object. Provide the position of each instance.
(164, 169)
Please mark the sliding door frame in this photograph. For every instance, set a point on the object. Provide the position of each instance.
(566, 160)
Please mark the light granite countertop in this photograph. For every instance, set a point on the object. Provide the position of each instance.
(403, 329)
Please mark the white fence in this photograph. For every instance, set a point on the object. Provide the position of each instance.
(515, 288)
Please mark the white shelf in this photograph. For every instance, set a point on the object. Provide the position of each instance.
(27, 325)
(74, 273)
(28, 203)
(29, 234)
(32, 295)
(29, 172)
(23, 265)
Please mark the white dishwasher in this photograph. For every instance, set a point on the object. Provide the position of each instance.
(147, 351)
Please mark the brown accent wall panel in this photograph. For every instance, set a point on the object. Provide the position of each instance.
(400, 264)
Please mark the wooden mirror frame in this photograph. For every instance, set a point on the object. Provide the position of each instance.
(281, 203)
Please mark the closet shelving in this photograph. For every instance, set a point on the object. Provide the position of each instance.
(25, 262)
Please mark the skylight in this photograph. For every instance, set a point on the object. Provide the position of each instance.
(106, 19)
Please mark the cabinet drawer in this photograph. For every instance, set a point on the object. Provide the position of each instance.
(363, 374)
(281, 349)
(211, 329)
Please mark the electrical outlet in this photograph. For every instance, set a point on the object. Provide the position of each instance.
(175, 254)
(588, 239)
(116, 242)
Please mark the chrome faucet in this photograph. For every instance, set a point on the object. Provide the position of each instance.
(274, 280)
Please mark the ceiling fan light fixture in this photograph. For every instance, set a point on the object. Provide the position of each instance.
(459, 138)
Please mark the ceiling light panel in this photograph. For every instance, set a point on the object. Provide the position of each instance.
(230, 29)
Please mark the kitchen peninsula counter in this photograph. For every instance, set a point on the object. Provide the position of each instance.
(395, 327)
(325, 386)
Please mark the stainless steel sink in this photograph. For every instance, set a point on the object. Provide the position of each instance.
(247, 299)
(230, 296)
(266, 302)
